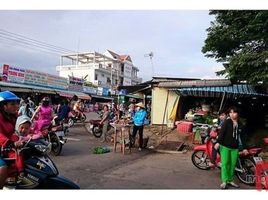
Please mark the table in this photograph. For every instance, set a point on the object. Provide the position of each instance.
(122, 129)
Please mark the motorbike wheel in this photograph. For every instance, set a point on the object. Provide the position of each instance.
(200, 160)
(248, 167)
(56, 145)
(83, 118)
(97, 131)
(70, 122)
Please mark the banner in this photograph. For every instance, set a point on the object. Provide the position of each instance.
(32, 77)
(90, 90)
(75, 84)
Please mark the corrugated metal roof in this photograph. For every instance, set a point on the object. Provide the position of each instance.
(195, 83)
(230, 91)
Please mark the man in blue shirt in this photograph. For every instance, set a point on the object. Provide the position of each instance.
(138, 120)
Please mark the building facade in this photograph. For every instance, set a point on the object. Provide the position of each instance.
(102, 70)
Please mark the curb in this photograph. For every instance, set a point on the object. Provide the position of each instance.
(169, 151)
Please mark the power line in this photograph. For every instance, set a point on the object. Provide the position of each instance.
(18, 36)
(32, 45)
(11, 43)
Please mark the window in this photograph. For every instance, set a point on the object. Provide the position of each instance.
(108, 80)
(96, 76)
(100, 65)
(102, 75)
(110, 65)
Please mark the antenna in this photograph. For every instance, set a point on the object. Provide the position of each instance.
(151, 54)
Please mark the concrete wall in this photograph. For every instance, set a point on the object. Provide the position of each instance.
(159, 99)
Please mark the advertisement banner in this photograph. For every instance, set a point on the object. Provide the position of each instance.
(90, 90)
(31, 77)
(75, 84)
(105, 92)
(16, 75)
(99, 91)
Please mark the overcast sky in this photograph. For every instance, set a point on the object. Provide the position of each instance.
(175, 38)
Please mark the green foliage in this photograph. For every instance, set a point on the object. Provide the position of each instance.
(239, 39)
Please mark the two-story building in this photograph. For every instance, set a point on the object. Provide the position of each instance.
(103, 70)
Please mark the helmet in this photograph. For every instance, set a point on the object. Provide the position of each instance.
(8, 96)
(45, 99)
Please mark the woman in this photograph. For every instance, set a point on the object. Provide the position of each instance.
(138, 120)
(9, 104)
(105, 122)
(45, 114)
(231, 136)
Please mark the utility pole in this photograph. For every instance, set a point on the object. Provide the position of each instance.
(151, 54)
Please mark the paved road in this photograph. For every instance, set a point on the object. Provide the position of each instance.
(138, 170)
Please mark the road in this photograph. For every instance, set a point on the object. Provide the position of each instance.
(138, 170)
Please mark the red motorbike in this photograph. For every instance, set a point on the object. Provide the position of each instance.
(246, 163)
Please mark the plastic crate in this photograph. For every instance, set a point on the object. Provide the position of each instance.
(184, 126)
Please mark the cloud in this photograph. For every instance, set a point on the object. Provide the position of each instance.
(175, 37)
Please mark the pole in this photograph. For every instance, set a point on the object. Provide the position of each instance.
(222, 101)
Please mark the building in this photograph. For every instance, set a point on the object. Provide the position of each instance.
(103, 70)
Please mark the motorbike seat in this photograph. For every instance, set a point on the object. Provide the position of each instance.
(254, 151)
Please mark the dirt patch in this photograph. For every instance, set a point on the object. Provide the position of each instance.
(166, 138)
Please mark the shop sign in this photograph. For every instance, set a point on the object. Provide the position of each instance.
(89, 90)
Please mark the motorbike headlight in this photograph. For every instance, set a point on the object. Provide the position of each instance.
(42, 148)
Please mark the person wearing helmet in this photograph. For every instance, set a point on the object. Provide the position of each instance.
(45, 114)
(9, 104)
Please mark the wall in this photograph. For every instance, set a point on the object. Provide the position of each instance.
(159, 98)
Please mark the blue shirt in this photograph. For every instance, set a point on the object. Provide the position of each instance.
(139, 117)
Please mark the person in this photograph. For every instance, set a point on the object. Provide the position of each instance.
(78, 108)
(138, 120)
(63, 110)
(45, 114)
(105, 122)
(231, 135)
(222, 117)
(31, 103)
(9, 104)
(24, 129)
(25, 109)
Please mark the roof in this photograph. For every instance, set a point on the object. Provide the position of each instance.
(195, 83)
(237, 90)
(167, 79)
(120, 57)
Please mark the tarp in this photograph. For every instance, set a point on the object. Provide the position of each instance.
(237, 90)
(70, 94)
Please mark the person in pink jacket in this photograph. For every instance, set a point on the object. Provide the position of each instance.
(45, 114)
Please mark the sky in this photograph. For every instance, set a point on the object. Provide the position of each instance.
(175, 38)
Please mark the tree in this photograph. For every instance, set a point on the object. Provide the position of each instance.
(239, 39)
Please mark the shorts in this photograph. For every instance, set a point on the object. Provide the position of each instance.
(2, 162)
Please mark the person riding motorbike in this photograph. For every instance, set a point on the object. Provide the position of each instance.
(9, 104)
(78, 108)
(45, 114)
(63, 111)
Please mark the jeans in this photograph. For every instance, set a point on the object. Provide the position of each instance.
(134, 133)
(2, 162)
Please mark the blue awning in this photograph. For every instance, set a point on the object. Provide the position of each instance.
(230, 91)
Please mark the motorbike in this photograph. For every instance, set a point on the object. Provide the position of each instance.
(246, 163)
(72, 118)
(96, 127)
(40, 172)
(56, 135)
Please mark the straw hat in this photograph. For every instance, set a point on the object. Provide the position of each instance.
(140, 105)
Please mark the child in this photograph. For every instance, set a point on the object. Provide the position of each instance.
(222, 118)
(24, 132)
(24, 129)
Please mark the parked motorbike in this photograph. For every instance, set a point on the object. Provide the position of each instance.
(246, 164)
(40, 171)
(72, 118)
